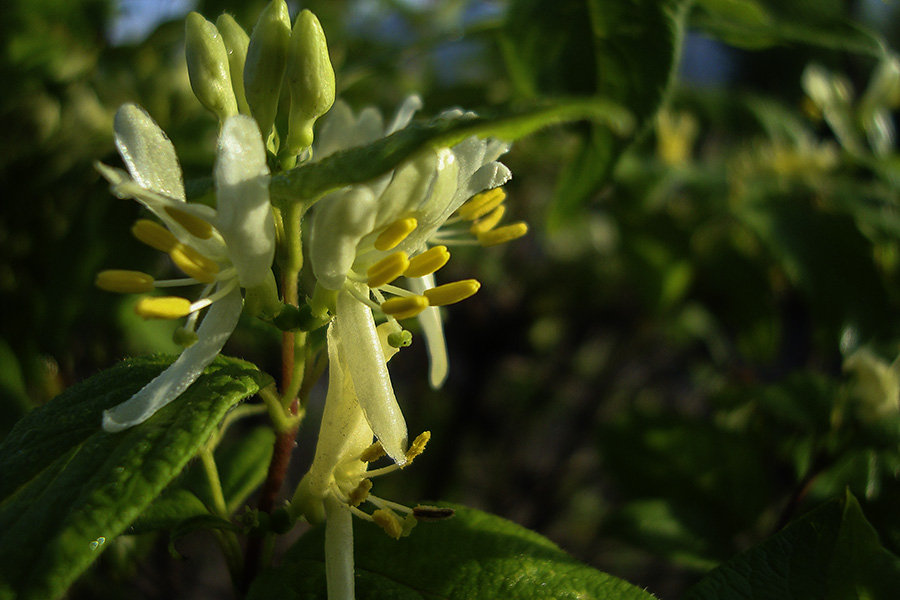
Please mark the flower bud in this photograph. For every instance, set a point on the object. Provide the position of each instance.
(264, 67)
(310, 80)
(207, 62)
(236, 42)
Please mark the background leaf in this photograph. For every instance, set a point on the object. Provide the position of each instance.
(831, 553)
(470, 556)
(68, 486)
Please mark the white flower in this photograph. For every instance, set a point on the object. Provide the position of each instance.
(363, 237)
(338, 480)
(227, 248)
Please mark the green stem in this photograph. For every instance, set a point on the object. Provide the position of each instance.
(215, 484)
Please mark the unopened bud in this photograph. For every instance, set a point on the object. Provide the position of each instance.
(236, 41)
(264, 67)
(207, 62)
(310, 80)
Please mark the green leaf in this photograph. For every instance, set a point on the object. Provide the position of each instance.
(68, 486)
(831, 553)
(357, 165)
(826, 256)
(472, 556)
(756, 24)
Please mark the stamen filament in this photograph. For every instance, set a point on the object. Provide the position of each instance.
(397, 291)
(382, 503)
(224, 291)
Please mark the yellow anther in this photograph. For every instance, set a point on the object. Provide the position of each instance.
(489, 222)
(164, 307)
(194, 225)
(124, 282)
(428, 262)
(372, 453)
(360, 492)
(404, 308)
(154, 235)
(481, 204)
(417, 447)
(194, 264)
(504, 234)
(450, 293)
(387, 269)
(389, 522)
(395, 233)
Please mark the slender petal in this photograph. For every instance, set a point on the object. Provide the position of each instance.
(338, 550)
(217, 326)
(344, 431)
(405, 113)
(361, 349)
(433, 331)
(147, 152)
(242, 190)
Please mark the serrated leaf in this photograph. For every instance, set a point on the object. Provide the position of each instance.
(831, 553)
(357, 165)
(472, 556)
(68, 486)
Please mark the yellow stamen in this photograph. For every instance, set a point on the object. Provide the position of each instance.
(154, 235)
(360, 492)
(124, 282)
(428, 262)
(372, 453)
(395, 233)
(481, 204)
(194, 225)
(504, 234)
(417, 447)
(404, 308)
(389, 522)
(451, 293)
(387, 269)
(489, 222)
(194, 264)
(163, 307)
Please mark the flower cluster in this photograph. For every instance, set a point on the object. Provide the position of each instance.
(373, 250)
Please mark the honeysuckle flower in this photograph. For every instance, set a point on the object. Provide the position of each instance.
(225, 249)
(339, 479)
(364, 237)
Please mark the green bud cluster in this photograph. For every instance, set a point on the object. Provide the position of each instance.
(233, 73)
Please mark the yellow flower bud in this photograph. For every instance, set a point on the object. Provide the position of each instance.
(236, 42)
(207, 62)
(310, 80)
(264, 67)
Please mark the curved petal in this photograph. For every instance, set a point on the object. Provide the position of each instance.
(338, 550)
(215, 330)
(405, 113)
(341, 219)
(147, 152)
(344, 432)
(433, 330)
(361, 350)
(242, 190)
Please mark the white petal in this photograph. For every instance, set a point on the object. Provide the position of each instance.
(407, 189)
(433, 331)
(366, 366)
(334, 134)
(344, 432)
(340, 221)
(242, 191)
(405, 113)
(214, 331)
(147, 152)
(338, 550)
